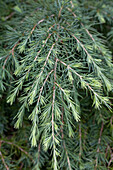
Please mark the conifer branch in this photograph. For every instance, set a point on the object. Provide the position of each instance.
(68, 160)
(44, 43)
(88, 32)
(56, 82)
(36, 26)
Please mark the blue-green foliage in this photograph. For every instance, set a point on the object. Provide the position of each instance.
(56, 67)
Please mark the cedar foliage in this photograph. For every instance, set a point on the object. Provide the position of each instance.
(56, 84)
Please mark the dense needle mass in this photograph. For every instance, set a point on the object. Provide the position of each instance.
(56, 66)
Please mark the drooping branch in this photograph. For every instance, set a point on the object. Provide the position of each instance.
(53, 103)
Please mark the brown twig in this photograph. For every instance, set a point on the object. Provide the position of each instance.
(111, 160)
(72, 4)
(82, 46)
(60, 12)
(72, 12)
(38, 24)
(59, 87)
(80, 139)
(9, 16)
(111, 121)
(70, 68)
(45, 60)
(21, 166)
(2, 158)
(51, 27)
(11, 52)
(3, 161)
(42, 47)
(99, 141)
(43, 86)
(48, 57)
